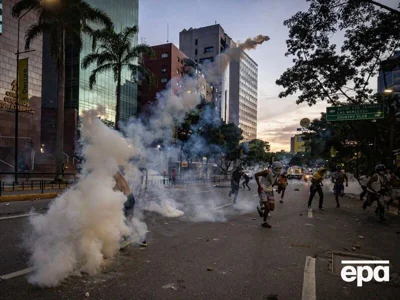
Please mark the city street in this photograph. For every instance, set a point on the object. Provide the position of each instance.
(222, 252)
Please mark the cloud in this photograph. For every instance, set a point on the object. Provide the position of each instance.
(278, 119)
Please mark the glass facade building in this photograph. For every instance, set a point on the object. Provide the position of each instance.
(29, 123)
(392, 78)
(78, 94)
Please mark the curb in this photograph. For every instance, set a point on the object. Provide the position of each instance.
(27, 197)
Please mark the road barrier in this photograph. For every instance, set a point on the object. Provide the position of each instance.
(38, 182)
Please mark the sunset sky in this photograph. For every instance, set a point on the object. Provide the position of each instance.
(277, 118)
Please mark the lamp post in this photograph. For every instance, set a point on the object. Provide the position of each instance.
(17, 98)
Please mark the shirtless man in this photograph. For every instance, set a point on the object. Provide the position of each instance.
(122, 185)
(129, 206)
(266, 180)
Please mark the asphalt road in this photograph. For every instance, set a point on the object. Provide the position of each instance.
(225, 253)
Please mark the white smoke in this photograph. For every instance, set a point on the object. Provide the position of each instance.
(86, 224)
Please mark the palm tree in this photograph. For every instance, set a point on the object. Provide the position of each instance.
(115, 53)
(57, 19)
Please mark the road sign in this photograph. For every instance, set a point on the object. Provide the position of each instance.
(355, 112)
(305, 122)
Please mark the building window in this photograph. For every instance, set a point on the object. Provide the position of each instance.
(196, 42)
(195, 51)
(164, 69)
(208, 49)
(179, 60)
(164, 55)
(164, 80)
(177, 71)
(206, 60)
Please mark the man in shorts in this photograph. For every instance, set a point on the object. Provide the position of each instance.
(266, 180)
(377, 187)
(338, 188)
(282, 184)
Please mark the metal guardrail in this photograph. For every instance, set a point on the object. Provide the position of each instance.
(33, 183)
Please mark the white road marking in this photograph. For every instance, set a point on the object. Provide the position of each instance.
(309, 290)
(225, 205)
(15, 217)
(16, 274)
(310, 214)
(256, 195)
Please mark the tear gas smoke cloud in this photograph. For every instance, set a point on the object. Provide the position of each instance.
(252, 43)
(85, 225)
(215, 69)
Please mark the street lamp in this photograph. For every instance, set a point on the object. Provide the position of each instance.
(17, 98)
(42, 2)
(388, 91)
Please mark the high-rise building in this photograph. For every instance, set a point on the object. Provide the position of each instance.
(237, 83)
(292, 144)
(78, 95)
(243, 94)
(30, 88)
(392, 78)
(203, 45)
(166, 63)
(297, 144)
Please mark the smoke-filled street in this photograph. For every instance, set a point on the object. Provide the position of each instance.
(214, 252)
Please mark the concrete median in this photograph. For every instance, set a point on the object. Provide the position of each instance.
(27, 197)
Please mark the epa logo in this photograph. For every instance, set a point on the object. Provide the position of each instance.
(365, 271)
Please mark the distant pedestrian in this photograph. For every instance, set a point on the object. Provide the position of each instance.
(173, 176)
(316, 187)
(363, 180)
(235, 183)
(246, 181)
(282, 184)
(338, 188)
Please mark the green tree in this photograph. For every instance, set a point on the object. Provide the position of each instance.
(230, 150)
(113, 52)
(255, 152)
(321, 71)
(341, 75)
(58, 19)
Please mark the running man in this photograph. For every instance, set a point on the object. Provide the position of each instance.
(394, 183)
(266, 180)
(246, 181)
(282, 184)
(316, 187)
(363, 180)
(235, 183)
(338, 188)
(377, 187)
